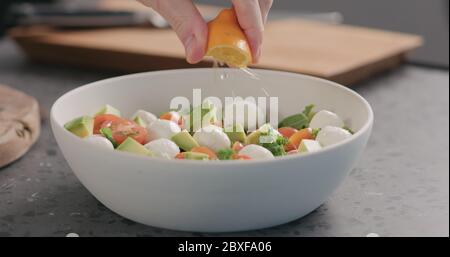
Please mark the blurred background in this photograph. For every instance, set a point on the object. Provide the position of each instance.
(429, 19)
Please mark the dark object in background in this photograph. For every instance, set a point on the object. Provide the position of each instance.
(77, 16)
(6, 18)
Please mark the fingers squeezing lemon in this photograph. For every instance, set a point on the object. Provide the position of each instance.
(227, 42)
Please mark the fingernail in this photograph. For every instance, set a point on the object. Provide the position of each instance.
(257, 55)
(189, 48)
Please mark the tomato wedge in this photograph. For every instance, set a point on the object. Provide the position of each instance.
(237, 146)
(173, 116)
(205, 150)
(121, 128)
(240, 157)
(287, 132)
(292, 152)
(298, 136)
(290, 147)
(100, 119)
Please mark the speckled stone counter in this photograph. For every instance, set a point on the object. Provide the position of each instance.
(400, 186)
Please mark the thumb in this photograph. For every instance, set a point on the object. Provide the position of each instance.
(187, 23)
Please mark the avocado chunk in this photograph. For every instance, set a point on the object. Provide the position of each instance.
(196, 156)
(184, 140)
(81, 126)
(108, 109)
(253, 138)
(139, 121)
(308, 146)
(236, 133)
(132, 146)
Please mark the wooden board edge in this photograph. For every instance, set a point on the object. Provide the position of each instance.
(363, 73)
(81, 57)
(77, 57)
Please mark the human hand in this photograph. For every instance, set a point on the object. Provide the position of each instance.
(191, 28)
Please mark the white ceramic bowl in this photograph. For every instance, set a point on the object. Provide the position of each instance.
(214, 196)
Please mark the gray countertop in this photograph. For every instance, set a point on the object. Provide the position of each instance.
(400, 186)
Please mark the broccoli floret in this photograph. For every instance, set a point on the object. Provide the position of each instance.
(277, 146)
(225, 154)
(273, 142)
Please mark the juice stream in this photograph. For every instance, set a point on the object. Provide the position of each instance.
(222, 75)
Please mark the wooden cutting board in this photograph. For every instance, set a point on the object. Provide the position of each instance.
(19, 124)
(346, 54)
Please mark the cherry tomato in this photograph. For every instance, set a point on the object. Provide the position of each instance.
(121, 128)
(237, 146)
(290, 147)
(128, 128)
(173, 116)
(240, 157)
(292, 152)
(205, 150)
(287, 132)
(100, 119)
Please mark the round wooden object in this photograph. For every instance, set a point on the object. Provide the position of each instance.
(19, 124)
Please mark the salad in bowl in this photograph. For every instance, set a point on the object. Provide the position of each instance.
(144, 159)
(171, 136)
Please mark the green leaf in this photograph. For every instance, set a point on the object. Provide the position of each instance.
(107, 132)
(299, 120)
(225, 154)
(308, 110)
(282, 140)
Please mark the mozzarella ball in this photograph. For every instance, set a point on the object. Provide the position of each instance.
(147, 117)
(245, 113)
(100, 141)
(163, 147)
(256, 152)
(212, 137)
(325, 118)
(162, 129)
(330, 135)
